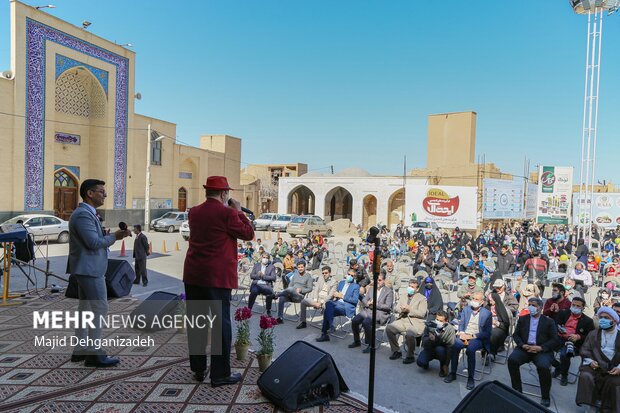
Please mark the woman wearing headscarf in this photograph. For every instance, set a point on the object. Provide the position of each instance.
(502, 319)
(429, 289)
(599, 378)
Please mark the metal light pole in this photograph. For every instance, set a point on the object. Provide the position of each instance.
(594, 9)
(147, 189)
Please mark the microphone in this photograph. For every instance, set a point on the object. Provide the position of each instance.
(244, 209)
(123, 227)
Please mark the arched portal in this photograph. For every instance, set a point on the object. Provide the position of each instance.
(338, 204)
(65, 193)
(301, 201)
(369, 212)
(396, 208)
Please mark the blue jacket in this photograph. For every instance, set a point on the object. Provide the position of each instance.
(485, 325)
(88, 246)
(351, 297)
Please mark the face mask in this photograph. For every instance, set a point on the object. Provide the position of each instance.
(578, 272)
(604, 323)
(410, 291)
(557, 296)
(449, 255)
(605, 296)
(349, 279)
(429, 286)
(475, 304)
(568, 287)
(576, 310)
(533, 310)
(265, 261)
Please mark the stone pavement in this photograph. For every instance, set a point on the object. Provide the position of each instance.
(148, 379)
(403, 388)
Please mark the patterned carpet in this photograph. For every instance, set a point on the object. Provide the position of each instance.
(148, 380)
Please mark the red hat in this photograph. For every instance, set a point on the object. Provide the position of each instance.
(217, 183)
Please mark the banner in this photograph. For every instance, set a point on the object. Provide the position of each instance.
(503, 199)
(447, 206)
(531, 199)
(555, 190)
(605, 211)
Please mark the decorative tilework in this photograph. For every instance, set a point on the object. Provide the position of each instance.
(64, 63)
(185, 175)
(37, 35)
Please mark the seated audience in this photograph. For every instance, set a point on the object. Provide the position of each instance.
(263, 275)
(437, 343)
(410, 322)
(342, 302)
(383, 304)
(323, 290)
(557, 302)
(300, 284)
(431, 292)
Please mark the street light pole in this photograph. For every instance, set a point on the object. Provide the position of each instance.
(147, 189)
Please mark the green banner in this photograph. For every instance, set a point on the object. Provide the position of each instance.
(547, 179)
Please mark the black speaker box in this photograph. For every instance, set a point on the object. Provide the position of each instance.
(488, 396)
(119, 279)
(303, 376)
(158, 304)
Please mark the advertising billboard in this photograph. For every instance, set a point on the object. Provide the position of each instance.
(503, 199)
(531, 201)
(555, 190)
(447, 206)
(605, 211)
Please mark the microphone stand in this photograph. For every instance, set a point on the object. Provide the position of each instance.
(376, 267)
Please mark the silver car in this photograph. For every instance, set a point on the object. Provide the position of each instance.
(170, 221)
(185, 230)
(281, 222)
(44, 226)
(264, 221)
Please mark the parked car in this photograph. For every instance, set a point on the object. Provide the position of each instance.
(184, 230)
(264, 221)
(281, 222)
(41, 226)
(429, 228)
(170, 221)
(306, 224)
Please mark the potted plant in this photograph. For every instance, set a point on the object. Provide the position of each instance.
(242, 343)
(265, 342)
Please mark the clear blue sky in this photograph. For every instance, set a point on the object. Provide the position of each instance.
(350, 83)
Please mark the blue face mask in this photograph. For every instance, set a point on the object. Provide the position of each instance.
(576, 310)
(532, 309)
(349, 279)
(410, 291)
(604, 323)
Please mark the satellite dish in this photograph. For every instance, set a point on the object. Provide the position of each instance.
(138, 96)
(8, 74)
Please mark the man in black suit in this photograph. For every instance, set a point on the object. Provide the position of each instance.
(140, 252)
(263, 275)
(536, 337)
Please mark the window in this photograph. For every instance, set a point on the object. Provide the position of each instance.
(156, 153)
(34, 222)
(50, 221)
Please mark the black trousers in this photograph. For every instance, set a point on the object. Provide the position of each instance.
(498, 337)
(542, 361)
(221, 338)
(140, 268)
(263, 289)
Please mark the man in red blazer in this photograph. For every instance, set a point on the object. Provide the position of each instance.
(210, 273)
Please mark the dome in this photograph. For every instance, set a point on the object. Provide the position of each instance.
(353, 172)
(313, 173)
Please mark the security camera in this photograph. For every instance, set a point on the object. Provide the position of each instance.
(7, 74)
(85, 24)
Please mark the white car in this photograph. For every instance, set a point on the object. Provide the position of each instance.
(264, 222)
(281, 222)
(42, 226)
(185, 230)
(429, 228)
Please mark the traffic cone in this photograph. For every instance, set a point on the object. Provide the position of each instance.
(123, 249)
(163, 248)
(176, 247)
(150, 248)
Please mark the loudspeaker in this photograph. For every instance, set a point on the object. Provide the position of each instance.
(118, 279)
(487, 396)
(157, 305)
(303, 376)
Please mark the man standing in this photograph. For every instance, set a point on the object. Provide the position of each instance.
(140, 252)
(536, 337)
(210, 273)
(88, 263)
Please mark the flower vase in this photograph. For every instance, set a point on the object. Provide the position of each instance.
(241, 350)
(264, 361)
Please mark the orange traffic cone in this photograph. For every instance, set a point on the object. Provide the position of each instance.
(150, 248)
(176, 247)
(123, 250)
(163, 248)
